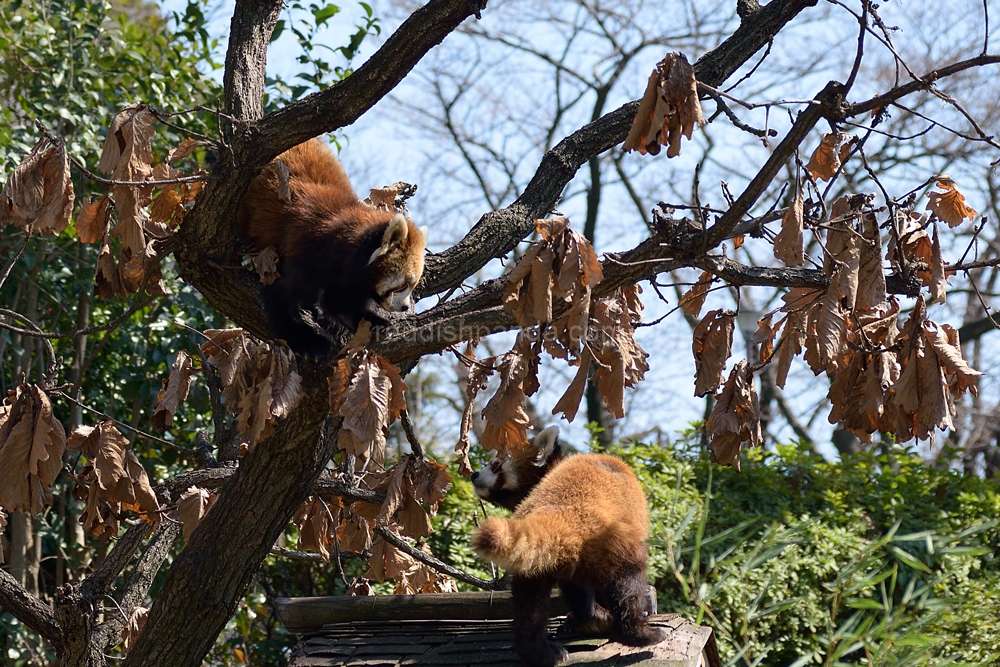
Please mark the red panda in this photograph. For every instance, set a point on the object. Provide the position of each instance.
(336, 255)
(579, 521)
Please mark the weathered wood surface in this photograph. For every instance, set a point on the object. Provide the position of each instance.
(463, 629)
(305, 614)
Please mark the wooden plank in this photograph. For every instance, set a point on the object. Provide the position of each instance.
(304, 614)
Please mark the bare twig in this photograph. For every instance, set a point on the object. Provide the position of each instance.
(401, 544)
(13, 260)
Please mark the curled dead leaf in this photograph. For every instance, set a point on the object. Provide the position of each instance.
(193, 504)
(112, 480)
(735, 418)
(712, 343)
(92, 221)
(317, 527)
(132, 629)
(174, 391)
(182, 150)
(788, 243)
(32, 442)
(506, 422)
(259, 380)
(825, 161)
(949, 205)
(694, 298)
(38, 197)
(668, 110)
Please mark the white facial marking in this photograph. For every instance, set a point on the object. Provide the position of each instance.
(509, 475)
(484, 482)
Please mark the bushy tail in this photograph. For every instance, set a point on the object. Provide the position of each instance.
(532, 545)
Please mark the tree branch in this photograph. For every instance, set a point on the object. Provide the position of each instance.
(401, 544)
(498, 232)
(28, 609)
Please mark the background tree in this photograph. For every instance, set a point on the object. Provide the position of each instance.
(277, 422)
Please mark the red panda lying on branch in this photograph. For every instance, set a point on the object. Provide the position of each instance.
(338, 257)
(579, 521)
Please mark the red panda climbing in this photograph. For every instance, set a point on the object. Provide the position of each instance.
(336, 254)
(579, 521)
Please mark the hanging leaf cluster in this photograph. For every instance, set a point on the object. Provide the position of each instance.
(901, 382)
(549, 293)
(412, 487)
(669, 108)
(112, 480)
(259, 380)
(38, 197)
(32, 442)
(368, 392)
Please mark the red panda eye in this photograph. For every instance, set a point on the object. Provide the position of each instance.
(495, 465)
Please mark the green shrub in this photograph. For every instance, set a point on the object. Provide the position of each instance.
(798, 560)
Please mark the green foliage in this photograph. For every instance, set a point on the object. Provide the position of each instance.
(797, 560)
(307, 23)
(70, 65)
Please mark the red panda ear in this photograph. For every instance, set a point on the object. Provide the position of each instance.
(394, 236)
(544, 443)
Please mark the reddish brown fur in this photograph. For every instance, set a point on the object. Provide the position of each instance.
(325, 238)
(583, 526)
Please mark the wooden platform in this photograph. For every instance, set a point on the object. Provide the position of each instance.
(461, 629)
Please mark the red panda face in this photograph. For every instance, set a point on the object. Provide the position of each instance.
(507, 482)
(399, 263)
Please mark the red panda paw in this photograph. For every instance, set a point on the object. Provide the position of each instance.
(641, 635)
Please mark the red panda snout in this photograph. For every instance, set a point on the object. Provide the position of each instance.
(507, 482)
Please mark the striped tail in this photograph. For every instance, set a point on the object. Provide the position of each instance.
(532, 545)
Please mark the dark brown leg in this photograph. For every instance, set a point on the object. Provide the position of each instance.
(627, 600)
(587, 617)
(531, 614)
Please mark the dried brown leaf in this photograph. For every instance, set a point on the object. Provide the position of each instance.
(217, 349)
(788, 244)
(191, 507)
(694, 298)
(354, 532)
(735, 419)
(38, 197)
(397, 387)
(939, 281)
(669, 108)
(32, 442)
(477, 378)
(943, 340)
(107, 282)
(569, 402)
(711, 346)
(825, 160)
(621, 362)
(365, 406)
(92, 221)
(182, 150)
(387, 562)
(338, 382)
(949, 205)
(174, 392)
(316, 527)
(113, 475)
(266, 264)
(132, 629)
(764, 336)
(871, 294)
(506, 421)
